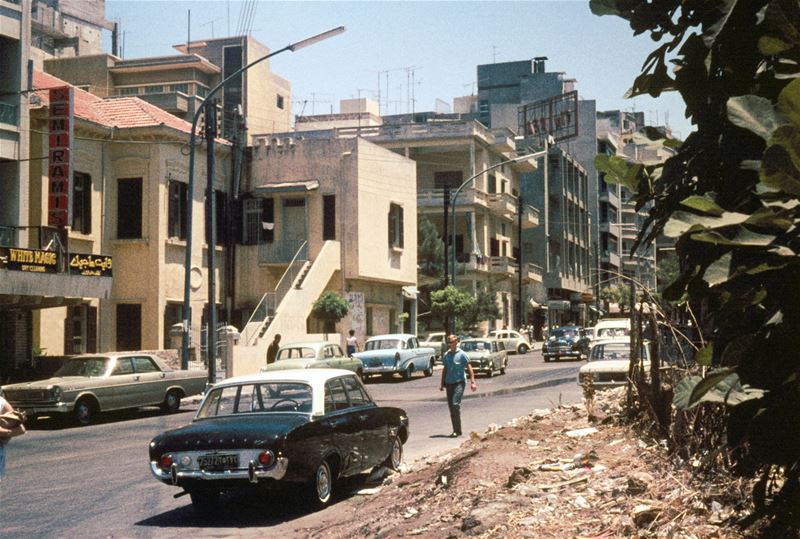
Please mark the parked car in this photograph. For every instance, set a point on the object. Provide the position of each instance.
(313, 355)
(89, 384)
(512, 340)
(306, 426)
(612, 327)
(565, 341)
(609, 361)
(398, 353)
(486, 355)
(437, 341)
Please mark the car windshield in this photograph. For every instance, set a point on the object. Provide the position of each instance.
(476, 346)
(561, 333)
(85, 366)
(385, 344)
(296, 352)
(614, 351)
(613, 332)
(266, 397)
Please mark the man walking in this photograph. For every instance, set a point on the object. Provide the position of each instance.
(454, 378)
(272, 351)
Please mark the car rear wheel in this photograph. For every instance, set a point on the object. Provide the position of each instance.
(172, 401)
(204, 501)
(429, 370)
(395, 457)
(320, 487)
(547, 359)
(503, 368)
(407, 373)
(85, 411)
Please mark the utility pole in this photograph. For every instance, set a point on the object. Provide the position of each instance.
(519, 273)
(446, 196)
(211, 239)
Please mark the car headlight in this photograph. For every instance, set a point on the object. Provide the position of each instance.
(56, 393)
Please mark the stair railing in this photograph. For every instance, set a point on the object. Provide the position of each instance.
(269, 302)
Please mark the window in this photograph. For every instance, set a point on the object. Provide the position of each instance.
(395, 226)
(178, 203)
(355, 393)
(129, 208)
(131, 90)
(200, 91)
(82, 203)
(492, 183)
(80, 330)
(279, 101)
(182, 87)
(335, 396)
(157, 89)
(328, 217)
(129, 326)
(144, 364)
(173, 314)
(124, 366)
(252, 221)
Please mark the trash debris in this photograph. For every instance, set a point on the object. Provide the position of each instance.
(581, 502)
(410, 512)
(369, 491)
(579, 433)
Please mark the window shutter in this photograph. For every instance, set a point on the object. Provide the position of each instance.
(91, 329)
(400, 224)
(68, 349)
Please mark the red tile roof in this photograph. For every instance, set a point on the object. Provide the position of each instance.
(118, 112)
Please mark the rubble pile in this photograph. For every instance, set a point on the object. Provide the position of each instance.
(548, 474)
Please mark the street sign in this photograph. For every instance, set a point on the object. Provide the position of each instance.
(555, 116)
(61, 131)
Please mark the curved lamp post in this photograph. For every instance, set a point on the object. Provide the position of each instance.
(467, 182)
(190, 188)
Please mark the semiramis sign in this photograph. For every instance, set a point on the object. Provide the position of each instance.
(61, 136)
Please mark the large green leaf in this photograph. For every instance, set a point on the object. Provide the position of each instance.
(756, 114)
(721, 386)
(681, 222)
(742, 238)
(789, 102)
(703, 204)
(616, 170)
(719, 271)
(604, 7)
(705, 355)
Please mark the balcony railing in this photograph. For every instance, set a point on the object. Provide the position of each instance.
(8, 114)
(280, 252)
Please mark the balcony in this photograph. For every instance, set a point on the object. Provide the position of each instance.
(610, 257)
(8, 114)
(434, 198)
(530, 217)
(504, 266)
(503, 140)
(503, 204)
(172, 102)
(609, 197)
(471, 263)
(532, 273)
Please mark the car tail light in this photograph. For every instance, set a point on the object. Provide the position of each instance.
(166, 462)
(266, 459)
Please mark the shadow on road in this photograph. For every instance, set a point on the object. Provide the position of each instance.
(252, 507)
(54, 422)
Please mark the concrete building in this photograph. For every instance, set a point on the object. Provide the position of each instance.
(66, 28)
(448, 151)
(179, 83)
(324, 214)
(16, 288)
(568, 193)
(129, 209)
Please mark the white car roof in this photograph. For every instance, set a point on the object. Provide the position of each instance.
(309, 376)
(390, 336)
(309, 344)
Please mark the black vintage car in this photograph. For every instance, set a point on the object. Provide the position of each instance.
(305, 426)
(565, 341)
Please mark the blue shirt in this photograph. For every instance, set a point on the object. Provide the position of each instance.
(456, 365)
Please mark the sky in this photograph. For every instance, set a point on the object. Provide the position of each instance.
(413, 53)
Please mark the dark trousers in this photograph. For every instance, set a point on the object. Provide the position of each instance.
(454, 394)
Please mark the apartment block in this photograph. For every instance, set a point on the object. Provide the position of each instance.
(324, 214)
(487, 213)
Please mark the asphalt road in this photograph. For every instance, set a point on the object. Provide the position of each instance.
(94, 481)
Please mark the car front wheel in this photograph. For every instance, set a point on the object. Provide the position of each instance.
(85, 411)
(522, 349)
(429, 370)
(407, 373)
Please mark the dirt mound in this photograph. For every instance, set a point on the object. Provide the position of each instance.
(548, 474)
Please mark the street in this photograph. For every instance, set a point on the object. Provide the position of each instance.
(65, 481)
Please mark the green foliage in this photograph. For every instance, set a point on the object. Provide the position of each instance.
(450, 302)
(430, 249)
(330, 306)
(485, 308)
(730, 197)
(619, 294)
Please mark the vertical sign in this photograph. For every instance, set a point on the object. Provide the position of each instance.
(59, 209)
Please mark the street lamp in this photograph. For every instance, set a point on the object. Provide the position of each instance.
(190, 188)
(468, 181)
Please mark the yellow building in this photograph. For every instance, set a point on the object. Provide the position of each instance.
(128, 202)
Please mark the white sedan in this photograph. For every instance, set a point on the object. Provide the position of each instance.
(608, 363)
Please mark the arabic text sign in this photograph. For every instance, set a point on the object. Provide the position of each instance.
(94, 265)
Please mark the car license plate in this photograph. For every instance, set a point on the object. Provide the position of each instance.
(218, 462)
(375, 363)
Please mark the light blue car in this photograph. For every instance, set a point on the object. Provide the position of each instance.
(396, 353)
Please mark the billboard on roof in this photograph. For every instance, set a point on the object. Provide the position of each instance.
(555, 116)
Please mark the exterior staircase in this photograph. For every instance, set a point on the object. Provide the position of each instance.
(286, 310)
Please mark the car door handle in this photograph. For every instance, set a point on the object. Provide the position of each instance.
(337, 422)
(363, 417)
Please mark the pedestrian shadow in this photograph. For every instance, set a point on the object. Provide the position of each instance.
(441, 436)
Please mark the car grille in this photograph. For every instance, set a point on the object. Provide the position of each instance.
(27, 395)
(611, 377)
